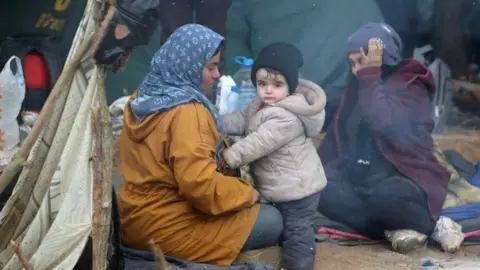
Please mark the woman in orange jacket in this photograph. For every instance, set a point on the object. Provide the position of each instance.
(174, 193)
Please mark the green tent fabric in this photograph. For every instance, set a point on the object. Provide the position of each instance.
(54, 18)
(319, 28)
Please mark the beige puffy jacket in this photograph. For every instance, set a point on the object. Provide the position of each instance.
(284, 161)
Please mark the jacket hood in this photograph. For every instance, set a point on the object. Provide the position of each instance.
(138, 130)
(413, 71)
(308, 104)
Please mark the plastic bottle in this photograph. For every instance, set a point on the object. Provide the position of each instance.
(233, 99)
(225, 85)
(247, 90)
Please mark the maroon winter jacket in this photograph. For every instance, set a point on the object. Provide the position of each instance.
(399, 113)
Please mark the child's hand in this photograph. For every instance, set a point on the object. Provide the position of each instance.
(222, 166)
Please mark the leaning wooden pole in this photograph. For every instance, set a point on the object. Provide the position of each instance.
(102, 163)
(97, 191)
(63, 82)
(102, 184)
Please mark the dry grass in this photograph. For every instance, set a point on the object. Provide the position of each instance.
(466, 143)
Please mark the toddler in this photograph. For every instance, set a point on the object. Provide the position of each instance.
(277, 127)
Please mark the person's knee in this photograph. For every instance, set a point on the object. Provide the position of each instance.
(400, 203)
(271, 220)
(267, 230)
(397, 193)
(394, 193)
(398, 187)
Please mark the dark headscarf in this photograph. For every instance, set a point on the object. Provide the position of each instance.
(388, 37)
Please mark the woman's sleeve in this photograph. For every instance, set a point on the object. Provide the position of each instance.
(390, 111)
(191, 157)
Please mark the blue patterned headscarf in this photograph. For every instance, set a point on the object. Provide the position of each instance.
(176, 75)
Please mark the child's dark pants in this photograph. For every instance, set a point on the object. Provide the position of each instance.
(298, 232)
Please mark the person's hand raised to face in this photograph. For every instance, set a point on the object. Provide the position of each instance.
(374, 57)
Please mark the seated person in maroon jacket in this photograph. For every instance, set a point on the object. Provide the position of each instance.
(383, 178)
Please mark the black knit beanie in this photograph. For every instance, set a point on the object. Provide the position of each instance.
(282, 57)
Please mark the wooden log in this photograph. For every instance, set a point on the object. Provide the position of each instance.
(97, 191)
(102, 185)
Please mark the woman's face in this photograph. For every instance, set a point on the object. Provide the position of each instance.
(356, 62)
(210, 74)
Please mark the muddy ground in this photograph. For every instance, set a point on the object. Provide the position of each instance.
(332, 256)
(380, 257)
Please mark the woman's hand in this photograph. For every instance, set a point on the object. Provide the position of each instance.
(255, 199)
(374, 58)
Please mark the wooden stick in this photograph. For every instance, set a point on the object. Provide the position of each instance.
(97, 191)
(21, 257)
(63, 82)
(102, 186)
(107, 164)
(160, 260)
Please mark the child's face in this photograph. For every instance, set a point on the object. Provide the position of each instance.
(271, 87)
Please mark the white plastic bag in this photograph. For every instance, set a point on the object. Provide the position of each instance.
(443, 82)
(12, 93)
(116, 112)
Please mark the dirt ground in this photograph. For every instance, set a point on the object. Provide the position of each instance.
(373, 257)
(332, 256)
